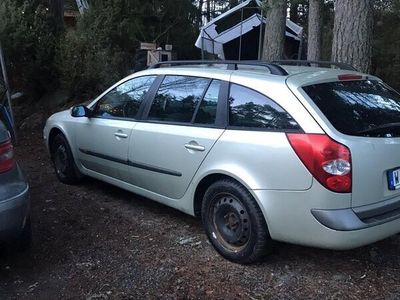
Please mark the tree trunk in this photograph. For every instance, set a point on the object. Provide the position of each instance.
(352, 33)
(314, 30)
(208, 12)
(275, 27)
(57, 11)
(200, 14)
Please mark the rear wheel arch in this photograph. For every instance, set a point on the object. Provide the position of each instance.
(205, 183)
(201, 189)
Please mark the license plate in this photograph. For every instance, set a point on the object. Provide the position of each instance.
(394, 179)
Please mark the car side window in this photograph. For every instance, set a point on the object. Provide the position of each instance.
(124, 100)
(177, 98)
(208, 107)
(250, 109)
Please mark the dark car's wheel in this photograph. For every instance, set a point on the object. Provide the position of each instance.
(63, 161)
(234, 222)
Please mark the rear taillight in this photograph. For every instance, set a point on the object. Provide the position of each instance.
(327, 160)
(6, 156)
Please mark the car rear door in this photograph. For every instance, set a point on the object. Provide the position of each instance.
(181, 127)
(103, 139)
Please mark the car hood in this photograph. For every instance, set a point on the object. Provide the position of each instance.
(61, 114)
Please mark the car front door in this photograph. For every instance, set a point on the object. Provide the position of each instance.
(181, 127)
(103, 139)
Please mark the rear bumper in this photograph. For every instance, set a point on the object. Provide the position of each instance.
(348, 219)
(14, 204)
(310, 218)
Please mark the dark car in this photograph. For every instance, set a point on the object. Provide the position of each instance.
(15, 225)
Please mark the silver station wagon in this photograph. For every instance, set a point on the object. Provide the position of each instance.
(303, 153)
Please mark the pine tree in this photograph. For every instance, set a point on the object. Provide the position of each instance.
(352, 33)
(274, 37)
(314, 30)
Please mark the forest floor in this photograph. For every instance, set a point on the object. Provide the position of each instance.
(96, 241)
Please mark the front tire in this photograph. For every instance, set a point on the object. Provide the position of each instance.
(63, 161)
(234, 222)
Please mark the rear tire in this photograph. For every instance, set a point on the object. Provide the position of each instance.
(234, 223)
(63, 161)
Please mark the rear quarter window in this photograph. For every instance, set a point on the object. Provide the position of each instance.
(250, 109)
(360, 108)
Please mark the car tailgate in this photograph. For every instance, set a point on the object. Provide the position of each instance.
(362, 113)
(372, 159)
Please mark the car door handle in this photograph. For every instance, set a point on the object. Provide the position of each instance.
(195, 147)
(121, 135)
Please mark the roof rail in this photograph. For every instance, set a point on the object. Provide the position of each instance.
(274, 69)
(309, 63)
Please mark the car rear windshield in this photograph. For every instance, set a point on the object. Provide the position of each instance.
(361, 108)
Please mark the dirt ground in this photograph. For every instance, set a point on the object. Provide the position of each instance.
(96, 241)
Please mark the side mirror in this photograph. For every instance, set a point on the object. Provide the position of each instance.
(80, 111)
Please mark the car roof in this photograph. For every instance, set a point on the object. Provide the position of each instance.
(323, 75)
(297, 75)
(201, 71)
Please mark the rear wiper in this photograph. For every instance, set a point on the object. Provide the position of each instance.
(380, 128)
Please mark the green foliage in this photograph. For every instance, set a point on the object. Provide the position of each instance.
(386, 43)
(29, 44)
(96, 53)
(101, 50)
(88, 67)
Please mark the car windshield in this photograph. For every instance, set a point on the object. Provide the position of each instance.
(361, 108)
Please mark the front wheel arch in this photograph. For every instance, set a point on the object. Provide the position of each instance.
(53, 133)
(70, 173)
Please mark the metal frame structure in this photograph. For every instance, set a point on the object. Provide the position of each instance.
(206, 36)
(260, 38)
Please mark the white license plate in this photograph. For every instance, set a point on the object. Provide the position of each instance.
(394, 179)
